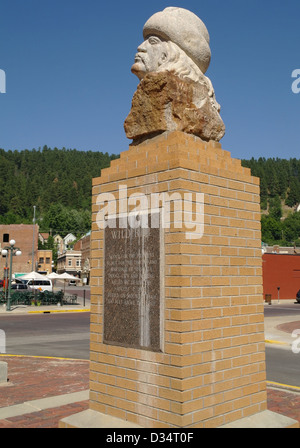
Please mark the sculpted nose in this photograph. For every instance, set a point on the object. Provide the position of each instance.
(142, 47)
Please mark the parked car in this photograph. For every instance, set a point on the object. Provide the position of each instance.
(19, 280)
(72, 283)
(298, 296)
(19, 286)
(41, 285)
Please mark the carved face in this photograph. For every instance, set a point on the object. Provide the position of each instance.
(152, 53)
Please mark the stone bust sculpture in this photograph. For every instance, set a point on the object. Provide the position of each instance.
(171, 64)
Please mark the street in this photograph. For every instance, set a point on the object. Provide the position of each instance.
(67, 335)
(283, 366)
(283, 309)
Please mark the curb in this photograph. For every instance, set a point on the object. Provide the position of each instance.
(281, 386)
(59, 311)
(269, 341)
(41, 404)
(3, 355)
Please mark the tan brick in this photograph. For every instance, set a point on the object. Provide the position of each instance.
(213, 327)
(178, 281)
(175, 419)
(125, 383)
(203, 415)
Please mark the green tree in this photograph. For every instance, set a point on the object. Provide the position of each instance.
(275, 210)
(293, 197)
(271, 229)
(291, 227)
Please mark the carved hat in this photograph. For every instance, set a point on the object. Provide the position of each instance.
(185, 29)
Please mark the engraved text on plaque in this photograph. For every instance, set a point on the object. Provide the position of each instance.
(132, 287)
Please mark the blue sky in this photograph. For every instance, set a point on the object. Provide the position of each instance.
(69, 84)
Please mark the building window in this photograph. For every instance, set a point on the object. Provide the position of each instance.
(69, 262)
(5, 237)
(41, 260)
(47, 260)
(77, 263)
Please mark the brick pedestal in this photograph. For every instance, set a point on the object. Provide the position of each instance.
(211, 368)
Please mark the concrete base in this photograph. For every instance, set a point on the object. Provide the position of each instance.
(3, 372)
(265, 419)
(94, 419)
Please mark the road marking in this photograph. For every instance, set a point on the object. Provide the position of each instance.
(285, 386)
(59, 311)
(269, 341)
(43, 357)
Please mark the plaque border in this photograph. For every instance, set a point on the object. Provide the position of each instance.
(162, 282)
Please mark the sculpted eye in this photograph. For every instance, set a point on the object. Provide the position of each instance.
(154, 40)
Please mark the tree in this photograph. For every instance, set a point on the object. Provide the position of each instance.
(275, 208)
(271, 229)
(291, 227)
(47, 177)
(293, 197)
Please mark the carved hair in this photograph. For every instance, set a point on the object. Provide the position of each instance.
(181, 65)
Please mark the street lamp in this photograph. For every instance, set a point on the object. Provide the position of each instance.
(13, 251)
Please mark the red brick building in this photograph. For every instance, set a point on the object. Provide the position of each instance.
(25, 236)
(281, 271)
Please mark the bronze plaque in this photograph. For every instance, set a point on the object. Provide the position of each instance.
(132, 287)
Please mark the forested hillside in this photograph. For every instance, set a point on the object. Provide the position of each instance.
(280, 197)
(279, 178)
(59, 182)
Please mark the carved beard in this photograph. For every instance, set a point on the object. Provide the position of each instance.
(139, 68)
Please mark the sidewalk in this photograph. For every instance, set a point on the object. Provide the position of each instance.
(23, 309)
(42, 391)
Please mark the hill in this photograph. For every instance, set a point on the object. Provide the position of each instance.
(280, 197)
(279, 178)
(59, 183)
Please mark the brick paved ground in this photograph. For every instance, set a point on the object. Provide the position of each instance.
(284, 402)
(34, 378)
(289, 327)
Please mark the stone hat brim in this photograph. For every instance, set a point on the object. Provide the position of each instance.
(185, 29)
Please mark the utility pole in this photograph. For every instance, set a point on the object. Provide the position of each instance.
(33, 231)
(12, 251)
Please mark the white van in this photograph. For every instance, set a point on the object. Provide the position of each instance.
(41, 285)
